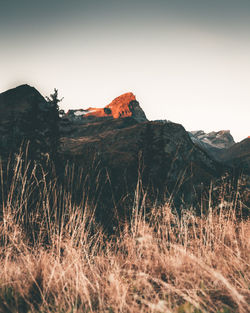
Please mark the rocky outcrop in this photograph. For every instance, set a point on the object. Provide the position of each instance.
(123, 106)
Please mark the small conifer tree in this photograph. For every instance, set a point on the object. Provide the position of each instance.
(53, 134)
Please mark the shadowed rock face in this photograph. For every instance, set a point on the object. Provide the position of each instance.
(238, 155)
(14, 105)
(122, 106)
(17, 100)
(27, 119)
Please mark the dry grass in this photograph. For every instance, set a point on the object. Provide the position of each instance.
(157, 263)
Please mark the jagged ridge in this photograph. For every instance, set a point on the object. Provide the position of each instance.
(125, 105)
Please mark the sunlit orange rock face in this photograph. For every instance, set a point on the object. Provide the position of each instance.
(119, 107)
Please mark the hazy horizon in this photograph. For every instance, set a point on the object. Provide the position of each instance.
(186, 61)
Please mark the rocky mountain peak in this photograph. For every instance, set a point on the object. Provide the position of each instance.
(120, 106)
(125, 105)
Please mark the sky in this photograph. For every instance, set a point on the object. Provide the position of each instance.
(187, 61)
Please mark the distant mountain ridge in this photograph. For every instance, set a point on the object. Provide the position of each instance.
(223, 148)
(213, 142)
(219, 140)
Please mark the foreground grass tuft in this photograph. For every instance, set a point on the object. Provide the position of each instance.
(159, 262)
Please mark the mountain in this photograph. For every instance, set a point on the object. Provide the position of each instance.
(213, 142)
(120, 134)
(221, 139)
(129, 147)
(223, 148)
(115, 150)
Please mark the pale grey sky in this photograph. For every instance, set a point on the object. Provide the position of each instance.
(186, 61)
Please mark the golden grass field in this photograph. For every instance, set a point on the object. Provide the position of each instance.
(158, 262)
